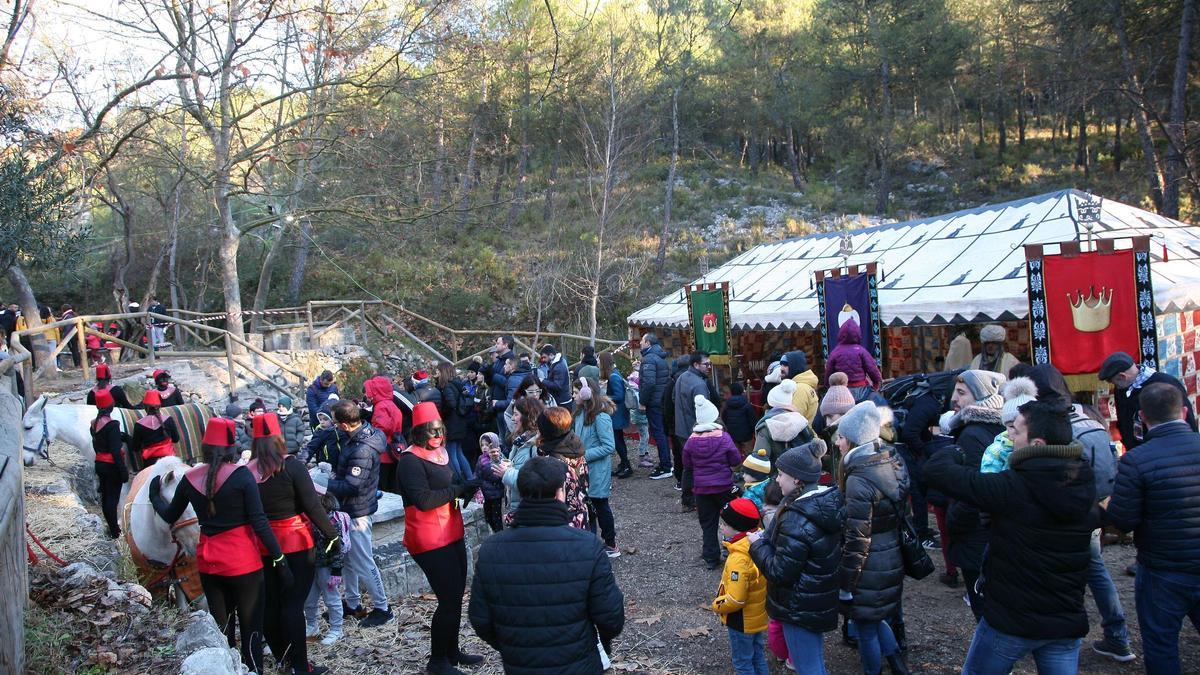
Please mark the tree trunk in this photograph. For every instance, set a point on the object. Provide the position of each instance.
(552, 181)
(793, 157)
(264, 276)
(518, 200)
(1082, 156)
(227, 252)
(296, 283)
(1001, 126)
(752, 152)
(29, 308)
(885, 142)
(1116, 151)
(467, 184)
(660, 258)
(1176, 166)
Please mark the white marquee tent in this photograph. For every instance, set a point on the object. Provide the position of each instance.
(962, 267)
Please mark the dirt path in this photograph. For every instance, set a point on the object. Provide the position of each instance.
(667, 591)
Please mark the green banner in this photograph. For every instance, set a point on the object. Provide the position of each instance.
(710, 325)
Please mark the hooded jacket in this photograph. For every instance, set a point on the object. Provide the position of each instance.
(356, 477)
(1043, 510)
(315, 397)
(653, 374)
(780, 430)
(543, 592)
(872, 565)
(975, 427)
(455, 407)
(558, 380)
(711, 456)
(805, 399)
(293, 429)
(386, 416)
(851, 358)
(739, 418)
(1157, 497)
(799, 555)
(599, 444)
(741, 600)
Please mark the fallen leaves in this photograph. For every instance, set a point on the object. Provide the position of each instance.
(649, 620)
(689, 633)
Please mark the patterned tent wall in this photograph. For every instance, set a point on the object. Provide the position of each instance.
(1179, 348)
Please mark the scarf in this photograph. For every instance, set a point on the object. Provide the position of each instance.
(1144, 373)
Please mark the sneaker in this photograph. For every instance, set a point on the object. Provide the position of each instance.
(789, 665)
(465, 659)
(660, 473)
(310, 669)
(646, 463)
(678, 486)
(311, 633)
(712, 564)
(1131, 570)
(950, 580)
(331, 637)
(377, 617)
(931, 544)
(1114, 649)
(356, 612)
(624, 472)
(612, 551)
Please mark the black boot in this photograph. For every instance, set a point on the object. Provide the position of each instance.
(897, 665)
(441, 666)
(465, 659)
(846, 639)
(896, 623)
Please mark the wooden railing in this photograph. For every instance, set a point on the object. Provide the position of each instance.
(316, 318)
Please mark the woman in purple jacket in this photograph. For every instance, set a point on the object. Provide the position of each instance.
(710, 455)
(851, 358)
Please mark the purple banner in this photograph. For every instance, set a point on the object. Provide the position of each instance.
(844, 298)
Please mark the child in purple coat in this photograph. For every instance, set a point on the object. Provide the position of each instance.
(493, 485)
(851, 358)
(711, 456)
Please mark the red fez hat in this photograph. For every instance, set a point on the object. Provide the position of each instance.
(425, 412)
(220, 432)
(160, 372)
(104, 399)
(266, 425)
(102, 372)
(152, 397)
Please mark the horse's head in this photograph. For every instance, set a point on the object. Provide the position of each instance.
(186, 530)
(37, 432)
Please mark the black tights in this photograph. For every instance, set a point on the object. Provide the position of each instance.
(622, 449)
(604, 519)
(108, 481)
(446, 570)
(241, 595)
(283, 617)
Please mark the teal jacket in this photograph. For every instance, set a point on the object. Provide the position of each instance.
(599, 444)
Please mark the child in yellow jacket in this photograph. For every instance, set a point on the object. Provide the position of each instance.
(742, 596)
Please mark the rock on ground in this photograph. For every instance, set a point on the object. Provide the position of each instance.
(201, 633)
(213, 661)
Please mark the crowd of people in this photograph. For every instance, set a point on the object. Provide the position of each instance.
(816, 509)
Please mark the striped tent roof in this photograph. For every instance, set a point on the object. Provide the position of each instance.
(962, 267)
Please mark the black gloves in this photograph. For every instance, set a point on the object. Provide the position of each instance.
(285, 573)
(467, 489)
(124, 473)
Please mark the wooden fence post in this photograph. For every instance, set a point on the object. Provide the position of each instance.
(81, 339)
(362, 317)
(308, 307)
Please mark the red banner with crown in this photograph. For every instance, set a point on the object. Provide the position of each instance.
(1087, 304)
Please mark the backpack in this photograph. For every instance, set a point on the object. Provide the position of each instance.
(1098, 451)
(902, 392)
(632, 397)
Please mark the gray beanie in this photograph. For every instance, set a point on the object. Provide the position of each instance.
(803, 462)
(861, 425)
(233, 410)
(982, 383)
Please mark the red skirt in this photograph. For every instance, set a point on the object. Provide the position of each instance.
(293, 535)
(229, 554)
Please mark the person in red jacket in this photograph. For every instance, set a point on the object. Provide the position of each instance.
(291, 503)
(387, 418)
(433, 532)
(155, 435)
(227, 504)
(111, 472)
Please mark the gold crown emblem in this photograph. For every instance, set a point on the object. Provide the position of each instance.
(1091, 313)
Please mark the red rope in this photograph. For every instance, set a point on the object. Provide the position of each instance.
(33, 558)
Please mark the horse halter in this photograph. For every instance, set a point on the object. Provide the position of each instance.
(42, 450)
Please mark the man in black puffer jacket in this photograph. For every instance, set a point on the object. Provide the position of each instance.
(1157, 497)
(544, 592)
(800, 553)
(1043, 511)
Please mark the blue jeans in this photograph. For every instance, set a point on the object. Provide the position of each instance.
(805, 648)
(654, 417)
(1104, 592)
(995, 653)
(749, 652)
(458, 461)
(1163, 599)
(360, 567)
(875, 641)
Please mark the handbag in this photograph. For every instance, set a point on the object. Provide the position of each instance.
(917, 563)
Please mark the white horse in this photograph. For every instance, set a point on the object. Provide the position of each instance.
(160, 542)
(67, 422)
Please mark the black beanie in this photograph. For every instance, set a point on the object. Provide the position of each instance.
(741, 514)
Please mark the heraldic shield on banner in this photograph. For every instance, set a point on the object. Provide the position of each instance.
(1087, 304)
(708, 307)
(844, 295)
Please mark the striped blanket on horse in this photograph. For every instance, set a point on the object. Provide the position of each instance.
(190, 419)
